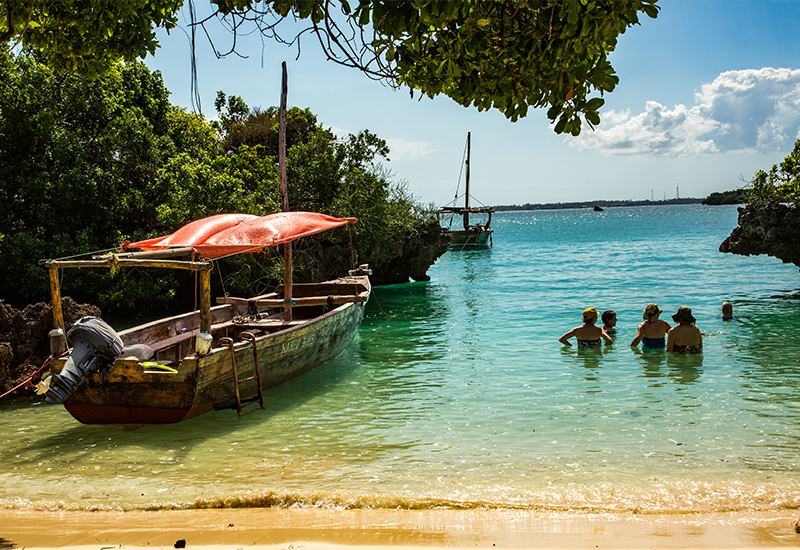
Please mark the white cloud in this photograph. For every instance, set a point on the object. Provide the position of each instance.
(408, 150)
(749, 110)
(399, 150)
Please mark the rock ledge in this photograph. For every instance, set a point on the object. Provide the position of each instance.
(772, 229)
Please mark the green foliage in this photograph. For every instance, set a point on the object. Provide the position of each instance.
(238, 126)
(489, 54)
(780, 184)
(77, 162)
(85, 165)
(736, 196)
(87, 37)
(509, 56)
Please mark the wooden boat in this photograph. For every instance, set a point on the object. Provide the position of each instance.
(470, 235)
(216, 357)
(212, 358)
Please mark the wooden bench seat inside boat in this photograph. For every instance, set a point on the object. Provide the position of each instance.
(270, 325)
(178, 339)
(328, 300)
(173, 340)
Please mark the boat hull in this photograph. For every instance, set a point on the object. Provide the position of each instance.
(132, 394)
(470, 238)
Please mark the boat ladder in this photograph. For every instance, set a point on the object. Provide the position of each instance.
(240, 403)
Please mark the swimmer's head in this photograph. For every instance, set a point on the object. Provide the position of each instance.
(727, 310)
(651, 312)
(684, 315)
(609, 317)
(589, 315)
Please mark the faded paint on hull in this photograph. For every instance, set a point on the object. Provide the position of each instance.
(126, 394)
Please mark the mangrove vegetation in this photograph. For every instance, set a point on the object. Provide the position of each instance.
(88, 164)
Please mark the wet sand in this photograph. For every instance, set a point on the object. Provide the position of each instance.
(305, 529)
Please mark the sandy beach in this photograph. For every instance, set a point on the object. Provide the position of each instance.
(330, 529)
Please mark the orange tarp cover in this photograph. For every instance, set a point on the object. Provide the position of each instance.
(226, 234)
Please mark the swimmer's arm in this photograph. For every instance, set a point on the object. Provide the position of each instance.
(606, 337)
(567, 335)
(670, 340)
(638, 336)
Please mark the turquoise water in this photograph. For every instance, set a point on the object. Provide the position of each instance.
(457, 394)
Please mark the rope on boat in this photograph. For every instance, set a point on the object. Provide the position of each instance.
(375, 297)
(221, 281)
(36, 373)
(103, 251)
(352, 248)
(461, 171)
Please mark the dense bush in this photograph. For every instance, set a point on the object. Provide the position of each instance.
(780, 184)
(85, 165)
(737, 196)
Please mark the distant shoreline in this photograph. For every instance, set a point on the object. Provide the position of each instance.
(592, 204)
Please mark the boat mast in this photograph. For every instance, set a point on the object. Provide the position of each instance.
(287, 248)
(466, 196)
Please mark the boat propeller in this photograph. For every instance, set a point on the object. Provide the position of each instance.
(95, 345)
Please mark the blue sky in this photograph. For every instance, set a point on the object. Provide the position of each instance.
(709, 93)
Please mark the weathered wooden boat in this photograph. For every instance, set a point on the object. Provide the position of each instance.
(470, 235)
(215, 357)
(212, 358)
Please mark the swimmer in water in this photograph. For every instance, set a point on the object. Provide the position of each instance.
(652, 331)
(686, 337)
(609, 319)
(588, 335)
(727, 311)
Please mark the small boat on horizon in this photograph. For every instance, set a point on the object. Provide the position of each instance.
(469, 235)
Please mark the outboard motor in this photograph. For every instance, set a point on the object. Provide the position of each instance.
(95, 345)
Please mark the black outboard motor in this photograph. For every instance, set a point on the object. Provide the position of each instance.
(95, 345)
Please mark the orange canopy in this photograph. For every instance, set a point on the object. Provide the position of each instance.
(227, 234)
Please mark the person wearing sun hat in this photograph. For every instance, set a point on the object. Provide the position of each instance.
(686, 337)
(652, 330)
(588, 335)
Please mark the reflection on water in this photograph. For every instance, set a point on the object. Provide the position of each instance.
(685, 369)
(656, 364)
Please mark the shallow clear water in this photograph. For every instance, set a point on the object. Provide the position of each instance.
(456, 393)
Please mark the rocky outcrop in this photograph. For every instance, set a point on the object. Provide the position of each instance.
(772, 229)
(399, 259)
(416, 254)
(24, 342)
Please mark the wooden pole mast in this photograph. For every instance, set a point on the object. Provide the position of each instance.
(466, 196)
(205, 300)
(287, 248)
(55, 295)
